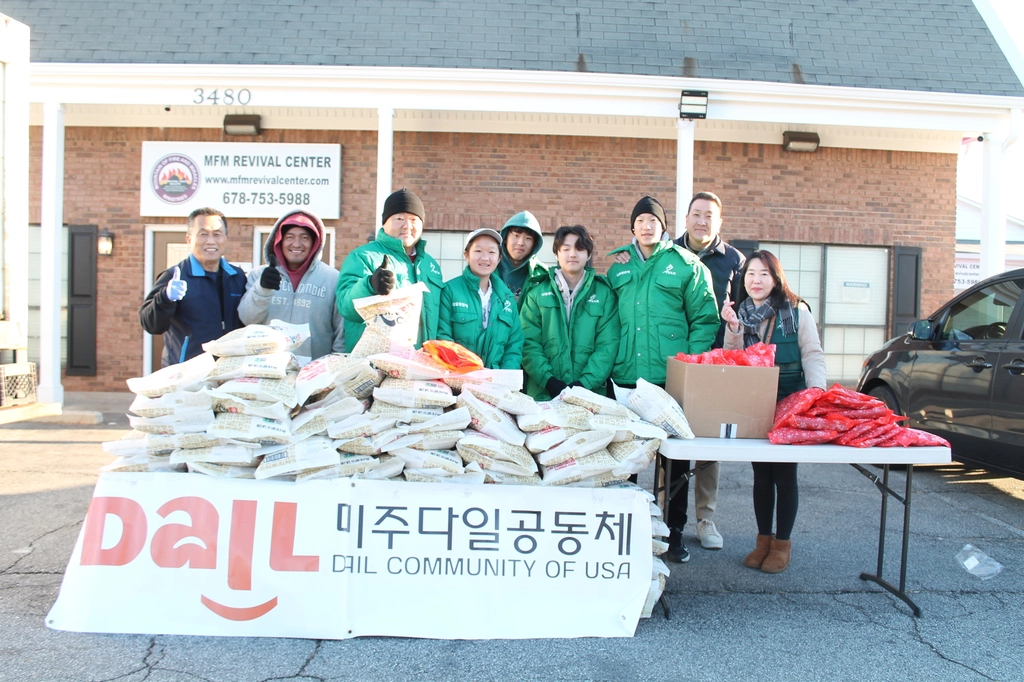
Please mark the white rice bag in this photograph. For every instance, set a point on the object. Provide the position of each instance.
(545, 439)
(505, 399)
(268, 366)
(406, 415)
(142, 464)
(392, 322)
(245, 427)
(218, 454)
(471, 455)
(573, 470)
(221, 470)
(184, 376)
(170, 404)
(225, 402)
(498, 449)
(316, 451)
(428, 440)
(388, 466)
(656, 406)
(408, 393)
(359, 425)
(430, 459)
(579, 446)
(442, 476)
(626, 429)
(259, 339)
(659, 528)
(315, 421)
(266, 390)
(409, 364)
(509, 378)
(490, 420)
(633, 456)
(140, 443)
(456, 420)
(188, 422)
(336, 373)
(509, 479)
(605, 480)
(596, 403)
(556, 413)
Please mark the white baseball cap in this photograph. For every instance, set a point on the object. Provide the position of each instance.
(483, 232)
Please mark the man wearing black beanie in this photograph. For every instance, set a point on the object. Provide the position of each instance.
(666, 306)
(396, 258)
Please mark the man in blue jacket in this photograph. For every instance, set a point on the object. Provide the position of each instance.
(197, 300)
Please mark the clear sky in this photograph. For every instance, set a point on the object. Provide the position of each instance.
(1011, 14)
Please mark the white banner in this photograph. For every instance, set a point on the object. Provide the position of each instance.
(186, 554)
(250, 180)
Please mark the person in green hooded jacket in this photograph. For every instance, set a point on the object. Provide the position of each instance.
(666, 300)
(396, 258)
(521, 241)
(478, 311)
(570, 321)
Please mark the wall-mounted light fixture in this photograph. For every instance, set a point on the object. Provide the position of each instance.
(693, 104)
(793, 141)
(105, 242)
(242, 124)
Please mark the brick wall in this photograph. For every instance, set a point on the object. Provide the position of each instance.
(466, 181)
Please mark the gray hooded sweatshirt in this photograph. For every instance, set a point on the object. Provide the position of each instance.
(517, 278)
(311, 302)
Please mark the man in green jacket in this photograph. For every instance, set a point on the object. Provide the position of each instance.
(570, 322)
(478, 311)
(396, 258)
(666, 306)
(521, 241)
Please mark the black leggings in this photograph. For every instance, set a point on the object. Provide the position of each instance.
(770, 477)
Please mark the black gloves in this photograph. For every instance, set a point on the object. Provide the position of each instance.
(555, 386)
(382, 281)
(271, 277)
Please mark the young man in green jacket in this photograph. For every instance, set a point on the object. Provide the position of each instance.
(396, 258)
(521, 241)
(570, 322)
(478, 311)
(666, 306)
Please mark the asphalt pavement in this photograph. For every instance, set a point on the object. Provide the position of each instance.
(815, 621)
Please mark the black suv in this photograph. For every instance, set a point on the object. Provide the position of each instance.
(958, 374)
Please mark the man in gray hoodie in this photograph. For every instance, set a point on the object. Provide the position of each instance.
(521, 241)
(296, 286)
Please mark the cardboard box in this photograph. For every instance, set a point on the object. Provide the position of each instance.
(724, 401)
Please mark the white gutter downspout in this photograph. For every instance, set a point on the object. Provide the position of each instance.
(993, 213)
(52, 213)
(684, 172)
(385, 157)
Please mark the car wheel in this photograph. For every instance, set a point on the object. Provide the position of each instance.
(885, 394)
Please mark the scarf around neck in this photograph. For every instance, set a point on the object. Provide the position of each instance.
(751, 316)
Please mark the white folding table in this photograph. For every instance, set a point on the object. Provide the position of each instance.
(760, 450)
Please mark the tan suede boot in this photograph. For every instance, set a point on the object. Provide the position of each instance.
(778, 557)
(757, 557)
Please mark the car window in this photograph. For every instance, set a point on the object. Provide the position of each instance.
(983, 314)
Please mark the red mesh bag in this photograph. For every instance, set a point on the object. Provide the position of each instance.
(761, 354)
(796, 403)
(758, 355)
(453, 356)
(790, 436)
(924, 438)
(830, 423)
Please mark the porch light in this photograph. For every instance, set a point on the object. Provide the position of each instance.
(242, 124)
(793, 141)
(693, 104)
(105, 243)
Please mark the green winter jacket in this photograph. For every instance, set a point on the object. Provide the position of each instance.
(582, 350)
(461, 320)
(354, 282)
(666, 306)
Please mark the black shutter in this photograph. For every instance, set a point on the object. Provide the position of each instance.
(81, 300)
(906, 294)
(744, 246)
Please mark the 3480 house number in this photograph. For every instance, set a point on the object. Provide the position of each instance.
(219, 96)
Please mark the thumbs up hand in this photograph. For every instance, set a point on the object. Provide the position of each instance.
(177, 287)
(382, 281)
(271, 277)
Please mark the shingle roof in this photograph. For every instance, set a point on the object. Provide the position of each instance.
(930, 45)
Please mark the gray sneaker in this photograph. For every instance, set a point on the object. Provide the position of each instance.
(708, 535)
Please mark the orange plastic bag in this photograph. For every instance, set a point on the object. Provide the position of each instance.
(456, 358)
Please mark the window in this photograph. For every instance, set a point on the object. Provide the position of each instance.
(983, 314)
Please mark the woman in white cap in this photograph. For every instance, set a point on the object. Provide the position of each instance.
(478, 311)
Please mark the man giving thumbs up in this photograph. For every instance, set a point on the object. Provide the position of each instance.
(196, 300)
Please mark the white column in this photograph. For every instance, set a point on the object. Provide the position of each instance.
(385, 156)
(684, 172)
(52, 221)
(993, 216)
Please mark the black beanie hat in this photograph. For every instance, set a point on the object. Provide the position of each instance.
(648, 205)
(402, 201)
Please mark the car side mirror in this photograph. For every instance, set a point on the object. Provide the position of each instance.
(922, 330)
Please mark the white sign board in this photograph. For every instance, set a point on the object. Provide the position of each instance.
(966, 271)
(190, 555)
(251, 180)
